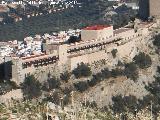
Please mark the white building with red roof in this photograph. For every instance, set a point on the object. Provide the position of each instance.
(97, 32)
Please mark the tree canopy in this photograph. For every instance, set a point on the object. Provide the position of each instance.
(143, 60)
(156, 41)
(124, 104)
(31, 87)
(82, 70)
(131, 71)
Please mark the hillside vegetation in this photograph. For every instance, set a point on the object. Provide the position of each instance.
(90, 12)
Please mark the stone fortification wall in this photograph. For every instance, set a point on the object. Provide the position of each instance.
(126, 41)
(154, 8)
(42, 73)
(143, 9)
(125, 33)
(127, 48)
(17, 71)
(39, 66)
(87, 58)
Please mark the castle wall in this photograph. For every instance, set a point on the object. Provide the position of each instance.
(18, 74)
(39, 66)
(127, 51)
(63, 58)
(67, 57)
(130, 48)
(125, 33)
(41, 72)
(144, 9)
(62, 52)
(154, 8)
(88, 58)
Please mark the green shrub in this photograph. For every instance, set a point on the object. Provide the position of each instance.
(154, 95)
(53, 83)
(131, 71)
(31, 87)
(92, 82)
(82, 70)
(13, 84)
(97, 78)
(66, 99)
(81, 86)
(158, 69)
(114, 52)
(67, 90)
(55, 98)
(116, 72)
(120, 64)
(65, 76)
(156, 41)
(106, 73)
(92, 104)
(124, 104)
(143, 60)
(74, 39)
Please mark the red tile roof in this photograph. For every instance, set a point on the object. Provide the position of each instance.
(32, 56)
(96, 27)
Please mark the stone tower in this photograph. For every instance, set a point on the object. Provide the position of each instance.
(149, 8)
(143, 9)
(154, 8)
